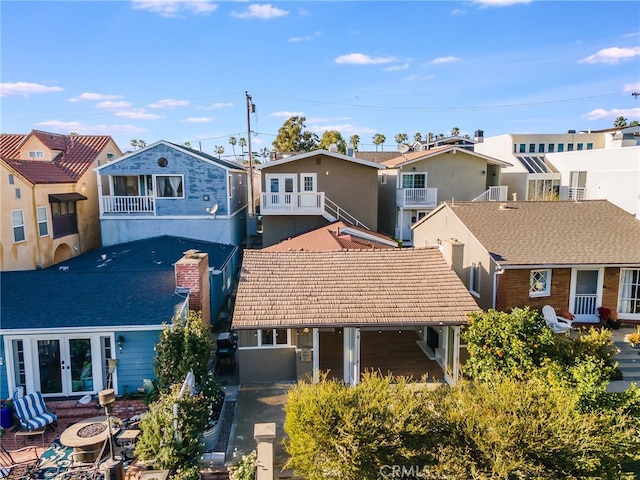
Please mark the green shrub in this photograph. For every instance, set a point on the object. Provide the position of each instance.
(245, 468)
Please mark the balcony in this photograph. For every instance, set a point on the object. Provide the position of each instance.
(128, 204)
(572, 193)
(494, 194)
(417, 197)
(292, 203)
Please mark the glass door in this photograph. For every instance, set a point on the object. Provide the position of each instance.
(65, 365)
(51, 366)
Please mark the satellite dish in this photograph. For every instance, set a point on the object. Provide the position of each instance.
(213, 209)
(403, 148)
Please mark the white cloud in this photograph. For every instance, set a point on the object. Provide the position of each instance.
(612, 55)
(138, 115)
(111, 105)
(285, 114)
(439, 60)
(217, 106)
(94, 97)
(168, 8)
(91, 129)
(499, 3)
(25, 89)
(169, 103)
(414, 77)
(458, 11)
(631, 87)
(304, 38)
(263, 12)
(395, 68)
(362, 59)
(601, 113)
(198, 120)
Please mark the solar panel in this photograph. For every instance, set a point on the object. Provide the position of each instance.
(534, 164)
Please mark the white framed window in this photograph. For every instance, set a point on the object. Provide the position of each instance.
(474, 279)
(169, 186)
(308, 182)
(629, 291)
(273, 337)
(36, 154)
(110, 156)
(540, 283)
(43, 225)
(17, 220)
(414, 180)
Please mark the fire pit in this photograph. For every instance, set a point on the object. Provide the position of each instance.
(87, 436)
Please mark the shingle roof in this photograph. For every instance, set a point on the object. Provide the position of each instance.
(336, 236)
(355, 287)
(378, 157)
(78, 152)
(134, 287)
(553, 232)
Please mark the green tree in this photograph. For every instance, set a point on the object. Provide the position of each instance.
(455, 131)
(138, 144)
(430, 137)
(417, 137)
(332, 137)
(634, 123)
(401, 138)
(243, 143)
(233, 141)
(187, 144)
(620, 122)
(510, 344)
(292, 137)
(379, 139)
(355, 141)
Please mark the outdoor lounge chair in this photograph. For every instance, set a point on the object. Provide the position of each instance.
(32, 413)
(12, 468)
(554, 322)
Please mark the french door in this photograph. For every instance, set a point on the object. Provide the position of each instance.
(65, 366)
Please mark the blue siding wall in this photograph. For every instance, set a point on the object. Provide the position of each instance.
(4, 389)
(135, 362)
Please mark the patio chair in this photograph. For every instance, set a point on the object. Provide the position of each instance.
(32, 412)
(12, 468)
(554, 322)
(81, 469)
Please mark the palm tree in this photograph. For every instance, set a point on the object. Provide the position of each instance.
(219, 150)
(355, 141)
(401, 138)
(232, 142)
(620, 122)
(429, 137)
(243, 143)
(187, 144)
(455, 131)
(417, 137)
(379, 139)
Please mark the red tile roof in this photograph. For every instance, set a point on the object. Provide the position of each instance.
(77, 154)
(336, 236)
(391, 287)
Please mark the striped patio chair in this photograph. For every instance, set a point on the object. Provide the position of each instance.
(32, 413)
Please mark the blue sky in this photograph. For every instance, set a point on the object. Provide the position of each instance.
(178, 71)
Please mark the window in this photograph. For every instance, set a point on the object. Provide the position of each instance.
(581, 146)
(474, 279)
(551, 148)
(36, 154)
(17, 219)
(63, 219)
(169, 186)
(230, 186)
(18, 194)
(541, 148)
(543, 189)
(569, 147)
(110, 156)
(308, 182)
(523, 148)
(532, 148)
(43, 226)
(629, 296)
(540, 283)
(414, 180)
(589, 146)
(275, 337)
(11, 179)
(561, 147)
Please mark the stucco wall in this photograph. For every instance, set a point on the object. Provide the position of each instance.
(276, 228)
(264, 365)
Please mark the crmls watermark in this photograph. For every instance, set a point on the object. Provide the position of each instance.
(402, 471)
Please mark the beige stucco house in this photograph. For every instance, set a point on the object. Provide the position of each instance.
(49, 208)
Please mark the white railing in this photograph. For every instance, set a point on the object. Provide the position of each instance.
(304, 203)
(576, 193)
(126, 204)
(585, 304)
(417, 197)
(338, 213)
(494, 194)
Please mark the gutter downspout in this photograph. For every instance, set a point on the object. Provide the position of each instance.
(498, 271)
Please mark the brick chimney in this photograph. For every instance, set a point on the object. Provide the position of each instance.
(192, 272)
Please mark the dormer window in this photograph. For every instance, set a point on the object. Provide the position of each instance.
(36, 154)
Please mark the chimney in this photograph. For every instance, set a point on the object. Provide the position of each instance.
(478, 136)
(453, 252)
(351, 151)
(192, 272)
(333, 148)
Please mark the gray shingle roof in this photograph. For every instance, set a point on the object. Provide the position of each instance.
(554, 232)
(350, 288)
(133, 287)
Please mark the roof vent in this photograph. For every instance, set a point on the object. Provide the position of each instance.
(333, 147)
(503, 206)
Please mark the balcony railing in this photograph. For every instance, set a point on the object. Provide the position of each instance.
(303, 203)
(417, 197)
(572, 193)
(494, 194)
(127, 204)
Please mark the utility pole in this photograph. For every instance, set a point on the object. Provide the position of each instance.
(251, 108)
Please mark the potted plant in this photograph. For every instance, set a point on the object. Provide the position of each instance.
(6, 413)
(634, 338)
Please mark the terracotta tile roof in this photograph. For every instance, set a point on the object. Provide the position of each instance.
(354, 287)
(553, 232)
(337, 236)
(77, 155)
